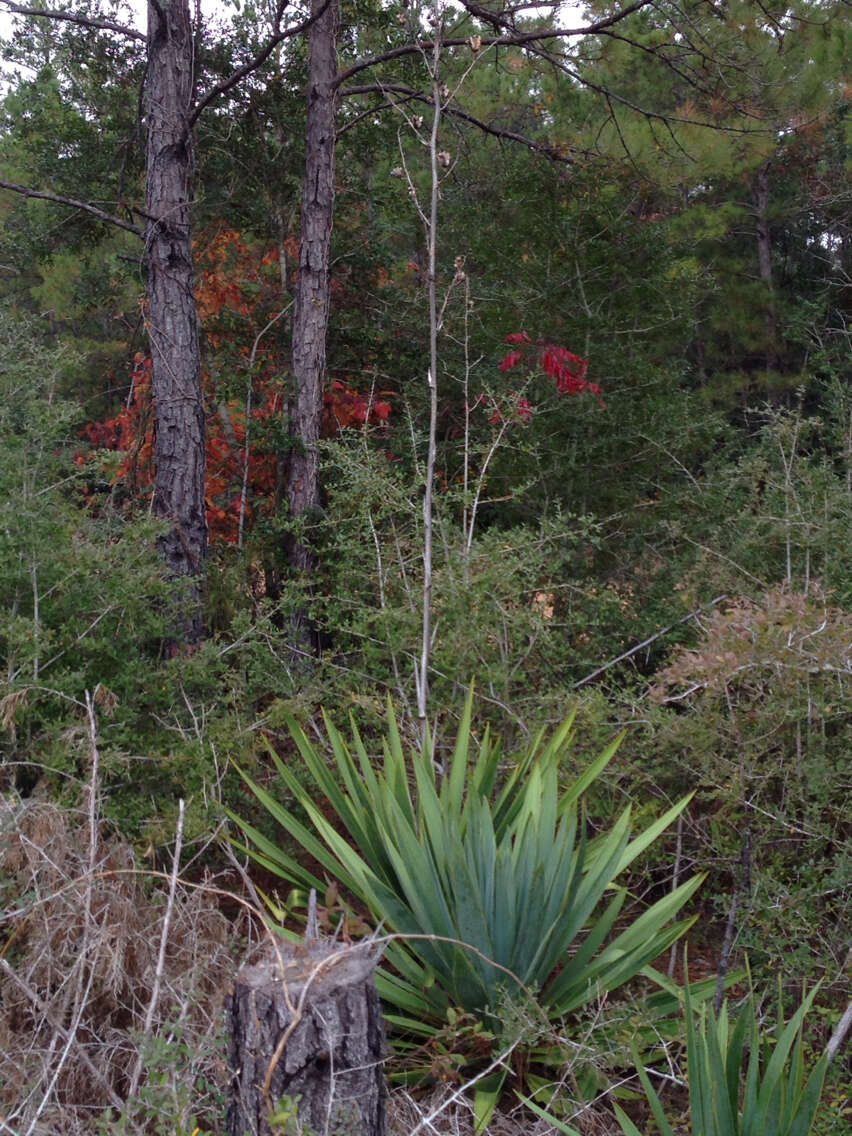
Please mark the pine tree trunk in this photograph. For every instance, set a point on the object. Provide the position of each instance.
(179, 445)
(307, 1040)
(310, 318)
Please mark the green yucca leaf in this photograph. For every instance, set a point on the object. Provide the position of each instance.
(637, 846)
(278, 860)
(724, 1115)
(452, 789)
(668, 1000)
(486, 1095)
(485, 771)
(573, 793)
(770, 1094)
(749, 1107)
(807, 1104)
(560, 1125)
(653, 1101)
(627, 1125)
(734, 1058)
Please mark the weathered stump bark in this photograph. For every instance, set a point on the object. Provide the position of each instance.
(306, 1025)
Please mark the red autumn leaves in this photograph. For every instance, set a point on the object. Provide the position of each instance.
(230, 464)
(344, 406)
(566, 369)
(236, 290)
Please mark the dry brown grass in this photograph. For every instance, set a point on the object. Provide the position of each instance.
(80, 936)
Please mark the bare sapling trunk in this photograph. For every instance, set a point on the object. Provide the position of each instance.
(310, 318)
(179, 445)
(422, 671)
(307, 1043)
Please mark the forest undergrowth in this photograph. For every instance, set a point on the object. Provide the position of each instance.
(490, 576)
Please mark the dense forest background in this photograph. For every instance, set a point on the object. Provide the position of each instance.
(640, 490)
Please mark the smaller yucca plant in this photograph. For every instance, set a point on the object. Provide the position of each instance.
(741, 1082)
(775, 1099)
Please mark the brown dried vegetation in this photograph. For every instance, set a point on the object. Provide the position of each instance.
(78, 958)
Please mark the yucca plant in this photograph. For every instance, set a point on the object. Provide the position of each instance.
(505, 871)
(776, 1097)
(768, 1094)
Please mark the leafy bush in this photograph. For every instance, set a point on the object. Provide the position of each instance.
(757, 714)
(84, 606)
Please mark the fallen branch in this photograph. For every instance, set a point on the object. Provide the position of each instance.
(646, 642)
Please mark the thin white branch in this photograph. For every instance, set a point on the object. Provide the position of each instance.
(164, 938)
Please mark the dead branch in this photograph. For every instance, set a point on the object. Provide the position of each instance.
(646, 642)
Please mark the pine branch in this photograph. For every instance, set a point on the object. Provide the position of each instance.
(258, 60)
(107, 218)
(512, 39)
(409, 93)
(73, 18)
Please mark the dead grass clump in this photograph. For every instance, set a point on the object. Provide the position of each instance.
(80, 940)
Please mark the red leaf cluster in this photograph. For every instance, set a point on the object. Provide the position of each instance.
(511, 360)
(566, 369)
(131, 433)
(344, 406)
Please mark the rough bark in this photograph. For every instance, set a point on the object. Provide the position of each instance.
(179, 446)
(305, 1025)
(310, 318)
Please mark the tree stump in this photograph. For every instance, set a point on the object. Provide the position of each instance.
(307, 1043)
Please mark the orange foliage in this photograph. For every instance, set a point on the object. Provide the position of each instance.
(236, 298)
(344, 406)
